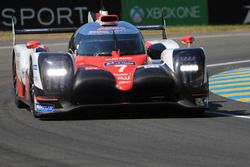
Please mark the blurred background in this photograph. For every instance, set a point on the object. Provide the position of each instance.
(73, 13)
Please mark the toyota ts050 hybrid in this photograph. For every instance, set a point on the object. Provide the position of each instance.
(108, 63)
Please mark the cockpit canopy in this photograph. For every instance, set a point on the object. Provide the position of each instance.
(103, 45)
(94, 39)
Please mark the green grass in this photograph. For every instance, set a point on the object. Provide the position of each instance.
(7, 35)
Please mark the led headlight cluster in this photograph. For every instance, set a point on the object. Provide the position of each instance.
(189, 65)
(56, 72)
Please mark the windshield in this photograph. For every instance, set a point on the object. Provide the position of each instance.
(103, 45)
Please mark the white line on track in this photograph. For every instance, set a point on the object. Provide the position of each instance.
(5, 47)
(228, 63)
(223, 35)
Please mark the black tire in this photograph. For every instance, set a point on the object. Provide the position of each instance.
(200, 112)
(32, 94)
(195, 113)
(18, 102)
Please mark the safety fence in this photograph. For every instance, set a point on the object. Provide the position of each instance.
(73, 13)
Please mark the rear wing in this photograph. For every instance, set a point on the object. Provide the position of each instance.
(162, 27)
(39, 31)
(45, 30)
(155, 27)
(73, 29)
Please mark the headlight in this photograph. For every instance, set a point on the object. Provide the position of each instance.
(56, 72)
(189, 67)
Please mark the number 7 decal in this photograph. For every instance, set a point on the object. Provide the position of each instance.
(121, 67)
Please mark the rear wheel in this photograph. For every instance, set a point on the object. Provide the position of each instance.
(18, 102)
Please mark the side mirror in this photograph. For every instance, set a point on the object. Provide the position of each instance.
(71, 51)
(32, 44)
(187, 40)
(155, 50)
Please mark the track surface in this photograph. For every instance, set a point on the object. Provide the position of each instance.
(131, 137)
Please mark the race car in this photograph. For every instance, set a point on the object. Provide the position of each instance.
(108, 63)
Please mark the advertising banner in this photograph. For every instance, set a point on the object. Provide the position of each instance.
(177, 12)
(229, 12)
(46, 13)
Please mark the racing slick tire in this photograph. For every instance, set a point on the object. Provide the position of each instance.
(18, 102)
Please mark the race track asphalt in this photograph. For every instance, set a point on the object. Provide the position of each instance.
(131, 137)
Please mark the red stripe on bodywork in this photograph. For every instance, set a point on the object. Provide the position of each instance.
(46, 98)
(122, 68)
(27, 94)
(19, 87)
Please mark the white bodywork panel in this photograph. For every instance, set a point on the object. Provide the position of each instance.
(167, 54)
(22, 60)
(205, 71)
(36, 71)
(167, 57)
(168, 43)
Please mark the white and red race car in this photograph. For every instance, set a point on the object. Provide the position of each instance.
(108, 63)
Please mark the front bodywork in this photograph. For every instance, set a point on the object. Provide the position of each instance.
(121, 81)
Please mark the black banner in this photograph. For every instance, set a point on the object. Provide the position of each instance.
(229, 11)
(51, 14)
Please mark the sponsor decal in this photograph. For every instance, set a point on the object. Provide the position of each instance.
(188, 58)
(57, 16)
(151, 66)
(124, 82)
(44, 108)
(137, 14)
(181, 12)
(175, 12)
(247, 18)
(110, 28)
(99, 32)
(119, 63)
(44, 14)
(34, 67)
(118, 59)
(122, 74)
(124, 78)
(92, 68)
